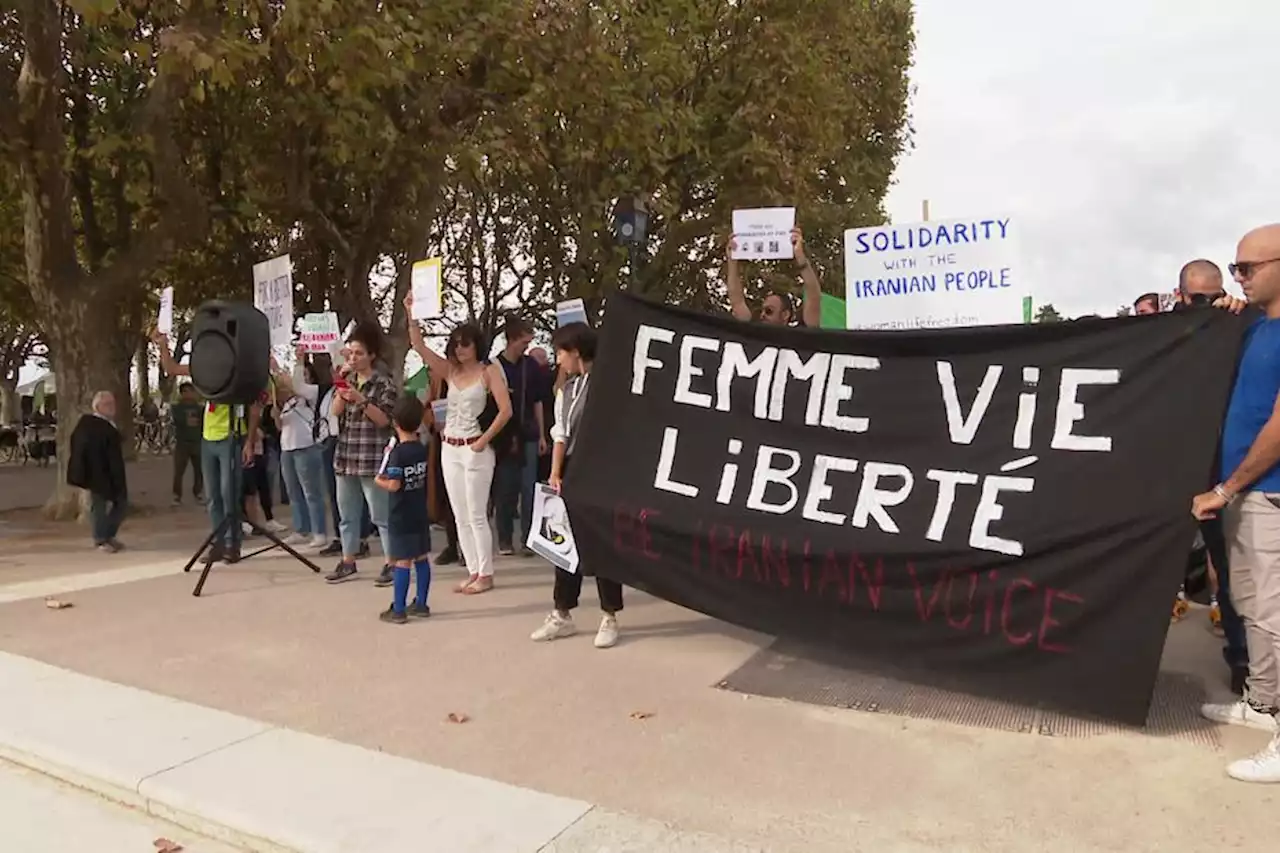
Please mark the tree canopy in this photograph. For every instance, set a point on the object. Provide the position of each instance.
(177, 142)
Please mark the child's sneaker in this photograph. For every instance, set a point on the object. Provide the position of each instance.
(385, 577)
(418, 611)
(554, 628)
(390, 615)
(607, 636)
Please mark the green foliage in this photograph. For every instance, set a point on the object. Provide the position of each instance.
(1048, 314)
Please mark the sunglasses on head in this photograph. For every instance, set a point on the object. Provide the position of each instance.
(1246, 269)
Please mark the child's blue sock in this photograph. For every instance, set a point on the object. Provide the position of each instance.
(401, 589)
(422, 570)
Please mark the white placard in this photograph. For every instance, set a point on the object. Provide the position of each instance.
(550, 536)
(428, 289)
(319, 332)
(926, 275)
(763, 233)
(273, 296)
(440, 411)
(570, 311)
(164, 322)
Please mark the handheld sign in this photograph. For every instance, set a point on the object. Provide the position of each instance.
(427, 287)
(571, 311)
(763, 233)
(319, 332)
(273, 296)
(938, 274)
(164, 322)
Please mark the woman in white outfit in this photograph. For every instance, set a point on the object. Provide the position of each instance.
(466, 457)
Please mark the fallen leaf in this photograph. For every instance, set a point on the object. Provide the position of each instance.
(641, 715)
(164, 845)
(458, 718)
(55, 604)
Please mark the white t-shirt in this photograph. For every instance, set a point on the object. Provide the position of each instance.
(297, 419)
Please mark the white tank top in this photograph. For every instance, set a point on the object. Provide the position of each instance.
(462, 417)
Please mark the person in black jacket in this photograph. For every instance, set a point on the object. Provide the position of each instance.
(96, 465)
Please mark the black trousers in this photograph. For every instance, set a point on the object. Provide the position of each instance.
(568, 586)
(185, 454)
(568, 589)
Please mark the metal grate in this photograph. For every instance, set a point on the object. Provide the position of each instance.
(781, 671)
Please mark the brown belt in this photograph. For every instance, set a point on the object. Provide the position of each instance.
(461, 442)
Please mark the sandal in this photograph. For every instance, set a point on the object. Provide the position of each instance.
(479, 585)
(465, 586)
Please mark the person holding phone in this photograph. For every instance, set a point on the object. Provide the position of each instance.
(479, 406)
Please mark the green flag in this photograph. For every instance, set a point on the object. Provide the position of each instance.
(833, 312)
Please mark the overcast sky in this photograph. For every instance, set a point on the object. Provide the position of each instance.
(1125, 136)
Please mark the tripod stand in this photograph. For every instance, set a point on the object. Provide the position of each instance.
(233, 517)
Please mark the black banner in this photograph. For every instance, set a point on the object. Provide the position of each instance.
(1002, 510)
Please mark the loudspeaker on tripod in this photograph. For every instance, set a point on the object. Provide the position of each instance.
(230, 352)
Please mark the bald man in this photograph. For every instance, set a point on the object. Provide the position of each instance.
(96, 464)
(1249, 499)
(1200, 283)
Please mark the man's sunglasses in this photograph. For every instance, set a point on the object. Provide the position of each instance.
(1246, 269)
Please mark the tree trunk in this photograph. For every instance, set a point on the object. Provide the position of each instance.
(10, 405)
(79, 344)
(142, 366)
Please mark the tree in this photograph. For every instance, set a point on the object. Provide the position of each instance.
(1048, 314)
(100, 89)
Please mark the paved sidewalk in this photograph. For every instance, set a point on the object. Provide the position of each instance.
(271, 789)
(635, 730)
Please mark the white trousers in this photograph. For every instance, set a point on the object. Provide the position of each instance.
(468, 476)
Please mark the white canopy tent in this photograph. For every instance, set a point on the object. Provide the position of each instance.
(28, 389)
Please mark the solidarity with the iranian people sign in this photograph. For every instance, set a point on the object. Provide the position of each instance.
(927, 275)
(1000, 510)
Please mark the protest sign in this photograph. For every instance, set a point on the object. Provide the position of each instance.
(763, 233)
(319, 332)
(921, 275)
(571, 311)
(164, 322)
(550, 536)
(273, 296)
(427, 287)
(1004, 511)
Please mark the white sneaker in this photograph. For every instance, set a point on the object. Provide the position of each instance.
(607, 636)
(246, 528)
(297, 539)
(318, 541)
(554, 628)
(1239, 714)
(275, 526)
(1263, 767)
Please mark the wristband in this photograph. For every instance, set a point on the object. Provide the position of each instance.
(1222, 493)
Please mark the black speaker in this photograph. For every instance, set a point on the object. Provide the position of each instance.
(230, 352)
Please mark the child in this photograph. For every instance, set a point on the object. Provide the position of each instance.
(404, 475)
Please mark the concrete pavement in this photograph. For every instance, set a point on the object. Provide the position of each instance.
(41, 815)
(271, 647)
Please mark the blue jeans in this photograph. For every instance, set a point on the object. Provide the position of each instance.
(513, 483)
(105, 517)
(354, 493)
(222, 478)
(303, 471)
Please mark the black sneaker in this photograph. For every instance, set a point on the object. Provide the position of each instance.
(364, 550)
(385, 577)
(231, 556)
(390, 615)
(505, 550)
(116, 543)
(216, 553)
(447, 557)
(418, 611)
(333, 549)
(341, 573)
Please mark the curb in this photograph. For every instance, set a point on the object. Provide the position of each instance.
(252, 785)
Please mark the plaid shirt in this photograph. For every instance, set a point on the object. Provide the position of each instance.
(360, 441)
